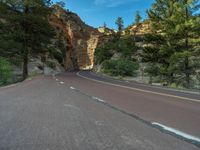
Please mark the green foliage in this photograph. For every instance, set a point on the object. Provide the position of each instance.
(153, 69)
(120, 25)
(51, 64)
(102, 54)
(25, 24)
(125, 46)
(174, 40)
(126, 65)
(57, 54)
(5, 71)
(8, 46)
(137, 23)
(173, 85)
(138, 18)
(121, 67)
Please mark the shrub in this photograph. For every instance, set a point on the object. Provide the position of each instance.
(125, 46)
(5, 71)
(102, 54)
(51, 64)
(120, 67)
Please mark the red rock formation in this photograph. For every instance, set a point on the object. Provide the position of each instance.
(81, 40)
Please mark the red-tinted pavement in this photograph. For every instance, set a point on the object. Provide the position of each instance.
(178, 113)
(49, 114)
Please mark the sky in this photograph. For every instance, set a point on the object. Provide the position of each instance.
(96, 12)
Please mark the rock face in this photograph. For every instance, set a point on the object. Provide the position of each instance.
(80, 40)
(143, 29)
(106, 31)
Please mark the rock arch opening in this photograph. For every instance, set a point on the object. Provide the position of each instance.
(79, 39)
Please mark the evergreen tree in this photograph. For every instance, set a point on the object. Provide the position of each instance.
(159, 48)
(137, 24)
(187, 36)
(120, 25)
(175, 36)
(28, 24)
(151, 54)
(8, 47)
(138, 18)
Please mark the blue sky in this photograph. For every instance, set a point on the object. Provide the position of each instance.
(96, 12)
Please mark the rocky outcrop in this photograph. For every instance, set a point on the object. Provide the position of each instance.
(106, 31)
(144, 28)
(80, 40)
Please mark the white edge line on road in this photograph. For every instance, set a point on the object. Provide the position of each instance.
(98, 99)
(177, 132)
(72, 88)
(140, 90)
(157, 87)
(61, 82)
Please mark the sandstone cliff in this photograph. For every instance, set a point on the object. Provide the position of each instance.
(106, 31)
(80, 40)
(144, 28)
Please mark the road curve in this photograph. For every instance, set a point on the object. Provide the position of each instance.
(178, 110)
(62, 113)
(163, 91)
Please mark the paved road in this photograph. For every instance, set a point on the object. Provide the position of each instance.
(178, 110)
(49, 114)
(193, 95)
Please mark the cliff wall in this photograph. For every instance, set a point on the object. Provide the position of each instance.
(80, 40)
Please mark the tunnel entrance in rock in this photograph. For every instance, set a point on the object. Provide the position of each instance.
(80, 40)
(64, 44)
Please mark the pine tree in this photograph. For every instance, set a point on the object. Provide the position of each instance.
(138, 18)
(187, 30)
(8, 47)
(120, 25)
(137, 24)
(175, 36)
(28, 22)
(159, 48)
(151, 54)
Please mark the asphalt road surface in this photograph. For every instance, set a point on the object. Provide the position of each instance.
(68, 112)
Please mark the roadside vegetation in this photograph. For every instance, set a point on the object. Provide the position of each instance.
(170, 51)
(5, 72)
(120, 67)
(25, 33)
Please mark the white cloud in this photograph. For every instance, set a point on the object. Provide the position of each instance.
(112, 3)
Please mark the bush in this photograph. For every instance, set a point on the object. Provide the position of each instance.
(102, 54)
(5, 71)
(51, 64)
(125, 46)
(120, 67)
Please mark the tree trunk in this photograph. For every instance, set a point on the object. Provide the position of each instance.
(171, 78)
(187, 69)
(25, 51)
(25, 64)
(187, 73)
